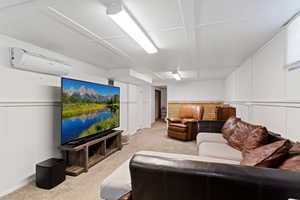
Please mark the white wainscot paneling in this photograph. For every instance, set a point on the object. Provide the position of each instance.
(243, 81)
(243, 111)
(146, 106)
(268, 70)
(270, 116)
(230, 89)
(140, 118)
(132, 109)
(29, 135)
(292, 85)
(293, 121)
(28, 87)
(123, 106)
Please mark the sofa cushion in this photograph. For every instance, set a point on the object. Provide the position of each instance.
(219, 150)
(229, 126)
(178, 125)
(256, 138)
(119, 182)
(189, 157)
(240, 134)
(269, 155)
(174, 120)
(209, 137)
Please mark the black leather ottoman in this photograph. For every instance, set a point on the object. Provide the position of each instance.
(50, 173)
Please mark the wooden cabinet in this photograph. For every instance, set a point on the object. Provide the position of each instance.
(223, 113)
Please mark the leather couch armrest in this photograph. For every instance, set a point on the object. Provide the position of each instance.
(162, 178)
(174, 120)
(210, 126)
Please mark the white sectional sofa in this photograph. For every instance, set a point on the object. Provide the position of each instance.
(211, 148)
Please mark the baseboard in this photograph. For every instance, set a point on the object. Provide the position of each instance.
(27, 181)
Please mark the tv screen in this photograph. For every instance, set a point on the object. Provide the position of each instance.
(88, 109)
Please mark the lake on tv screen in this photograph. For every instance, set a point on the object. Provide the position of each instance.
(88, 108)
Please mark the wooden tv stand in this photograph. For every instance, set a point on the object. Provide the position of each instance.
(82, 157)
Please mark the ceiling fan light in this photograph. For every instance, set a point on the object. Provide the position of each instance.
(177, 76)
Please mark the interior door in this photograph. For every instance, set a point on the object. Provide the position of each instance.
(157, 104)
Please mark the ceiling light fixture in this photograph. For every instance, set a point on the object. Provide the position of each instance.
(177, 76)
(119, 14)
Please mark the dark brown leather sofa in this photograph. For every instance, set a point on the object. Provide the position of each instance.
(185, 127)
(161, 178)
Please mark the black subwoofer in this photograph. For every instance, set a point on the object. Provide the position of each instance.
(50, 173)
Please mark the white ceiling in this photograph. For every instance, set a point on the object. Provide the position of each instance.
(204, 37)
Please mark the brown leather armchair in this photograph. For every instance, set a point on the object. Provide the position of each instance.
(185, 127)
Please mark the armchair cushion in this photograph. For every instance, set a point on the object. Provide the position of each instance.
(185, 121)
(174, 120)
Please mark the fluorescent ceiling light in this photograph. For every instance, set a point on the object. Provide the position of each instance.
(177, 76)
(121, 17)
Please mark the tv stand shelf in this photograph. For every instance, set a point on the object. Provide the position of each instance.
(82, 157)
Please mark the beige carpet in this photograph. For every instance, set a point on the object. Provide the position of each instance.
(86, 186)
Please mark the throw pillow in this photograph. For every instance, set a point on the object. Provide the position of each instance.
(229, 126)
(256, 138)
(240, 134)
(291, 163)
(295, 148)
(270, 155)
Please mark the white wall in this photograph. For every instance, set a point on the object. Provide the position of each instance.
(265, 92)
(212, 90)
(30, 113)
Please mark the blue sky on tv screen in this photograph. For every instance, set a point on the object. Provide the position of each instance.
(100, 89)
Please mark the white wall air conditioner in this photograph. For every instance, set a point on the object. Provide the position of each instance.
(24, 60)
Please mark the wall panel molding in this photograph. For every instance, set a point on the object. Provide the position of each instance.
(267, 103)
(28, 103)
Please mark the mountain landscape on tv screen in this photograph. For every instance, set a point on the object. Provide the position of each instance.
(88, 109)
(87, 94)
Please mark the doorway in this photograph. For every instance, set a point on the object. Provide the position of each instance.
(157, 105)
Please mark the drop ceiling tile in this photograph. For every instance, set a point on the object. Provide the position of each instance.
(90, 14)
(49, 34)
(211, 11)
(229, 43)
(155, 14)
(11, 3)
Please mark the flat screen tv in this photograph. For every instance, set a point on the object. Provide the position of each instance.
(88, 110)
